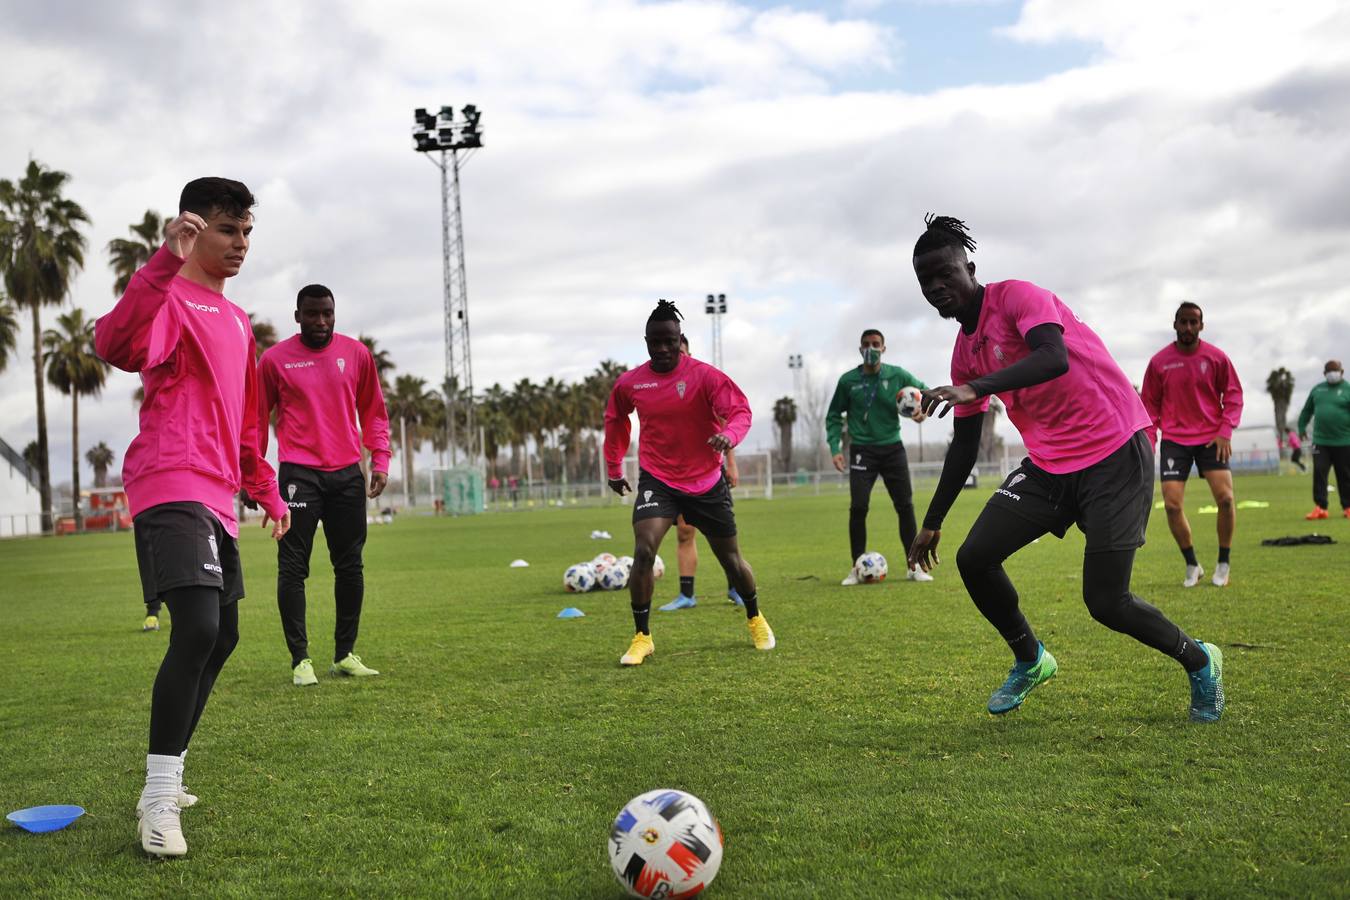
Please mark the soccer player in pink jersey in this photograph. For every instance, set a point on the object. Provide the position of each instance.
(1193, 395)
(1089, 462)
(321, 383)
(690, 414)
(198, 444)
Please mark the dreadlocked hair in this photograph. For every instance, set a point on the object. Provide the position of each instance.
(943, 231)
(665, 312)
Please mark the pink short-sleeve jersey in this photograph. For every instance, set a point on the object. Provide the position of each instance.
(1070, 422)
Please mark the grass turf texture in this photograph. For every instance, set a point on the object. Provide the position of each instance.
(491, 754)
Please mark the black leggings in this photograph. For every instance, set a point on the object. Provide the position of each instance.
(997, 534)
(203, 636)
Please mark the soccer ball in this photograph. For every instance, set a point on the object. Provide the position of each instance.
(871, 567)
(614, 577)
(580, 578)
(909, 401)
(605, 558)
(658, 567)
(627, 561)
(665, 843)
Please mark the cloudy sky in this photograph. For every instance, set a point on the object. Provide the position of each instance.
(1124, 155)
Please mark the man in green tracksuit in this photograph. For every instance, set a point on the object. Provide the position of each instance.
(866, 396)
(1328, 407)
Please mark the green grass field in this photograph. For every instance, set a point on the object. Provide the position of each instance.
(856, 760)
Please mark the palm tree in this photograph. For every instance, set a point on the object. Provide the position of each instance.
(9, 330)
(785, 416)
(41, 249)
(74, 368)
(125, 256)
(383, 364)
(1280, 387)
(101, 457)
(408, 402)
(989, 439)
(264, 334)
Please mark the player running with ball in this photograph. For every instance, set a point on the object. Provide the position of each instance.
(197, 445)
(1090, 463)
(690, 414)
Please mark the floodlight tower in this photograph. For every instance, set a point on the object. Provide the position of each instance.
(795, 364)
(441, 133)
(716, 306)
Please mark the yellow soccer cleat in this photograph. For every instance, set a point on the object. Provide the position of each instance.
(761, 633)
(351, 665)
(151, 623)
(641, 648)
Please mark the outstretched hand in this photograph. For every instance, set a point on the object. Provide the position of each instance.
(950, 394)
(180, 235)
(279, 526)
(923, 552)
(620, 486)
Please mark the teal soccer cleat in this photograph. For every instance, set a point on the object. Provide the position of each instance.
(1207, 687)
(1021, 679)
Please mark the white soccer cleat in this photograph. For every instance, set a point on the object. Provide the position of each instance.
(161, 831)
(852, 578)
(917, 574)
(1193, 576)
(1221, 575)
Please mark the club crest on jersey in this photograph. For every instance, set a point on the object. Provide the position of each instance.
(1204, 366)
(998, 352)
(342, 364)
(679, 388)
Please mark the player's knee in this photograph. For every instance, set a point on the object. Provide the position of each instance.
(1110, 608)
(227, 638)
(644, 557)
(194, 639)
(858, 512)
(970, 559)
(685, 533)
(1224, 502)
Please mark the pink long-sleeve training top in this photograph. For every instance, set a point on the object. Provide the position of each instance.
(320, 395)
(1193, 397)
(199, 428)
(678, 411)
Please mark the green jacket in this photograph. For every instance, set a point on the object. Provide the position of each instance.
(869, 403)
(1329, 407)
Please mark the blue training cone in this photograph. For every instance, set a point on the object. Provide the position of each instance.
(571, 613)
(41, 819)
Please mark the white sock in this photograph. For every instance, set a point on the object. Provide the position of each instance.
(163, 775)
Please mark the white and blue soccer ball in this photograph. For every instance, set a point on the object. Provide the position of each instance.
(614, 577)
(627, 561)
(665, 843)
(909, 400)
(580, 578)
(871, 567)
(607, 559)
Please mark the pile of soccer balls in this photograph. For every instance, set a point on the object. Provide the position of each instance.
(606, 572)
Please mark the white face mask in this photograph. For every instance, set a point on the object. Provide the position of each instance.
(1334, 377)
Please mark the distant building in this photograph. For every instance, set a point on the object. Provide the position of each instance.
(20, 503)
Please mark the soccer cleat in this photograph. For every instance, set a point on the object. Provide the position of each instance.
(761, 633)
(1207, 687)
(1221, 575)
(734, 597)
(680, 602)
(1021, 679)
(184, 801)
(917, 574)
(161, 830)
(351, 665)
(1317, 513)
(1193, 575)
(151, 623)
(641, 648)
(303, 673)
(852, 578)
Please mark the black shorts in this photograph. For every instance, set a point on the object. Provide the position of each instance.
(1175, 460)
(184, 545)
(709, 512)
(1109, 501)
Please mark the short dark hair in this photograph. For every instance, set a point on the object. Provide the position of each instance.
(208, 196)
(665, 312)
(872, 331)
(311, 290)
(1189, 305)
(943, 231)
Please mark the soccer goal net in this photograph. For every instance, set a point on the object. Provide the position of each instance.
(754, 471)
